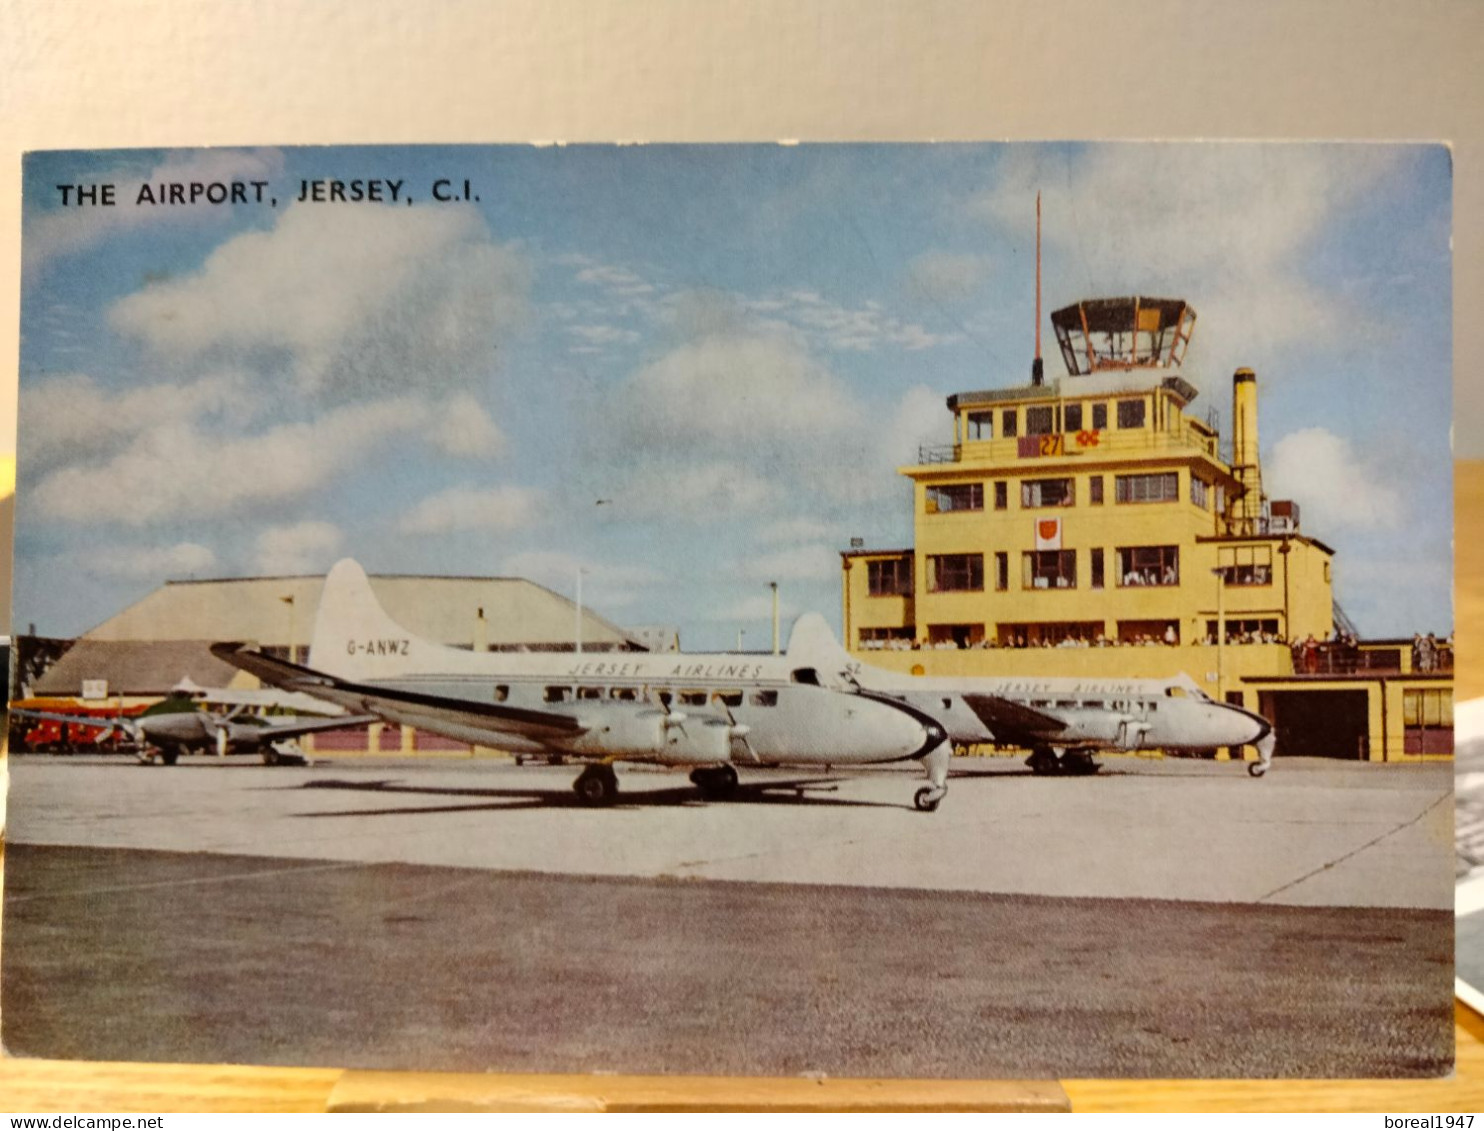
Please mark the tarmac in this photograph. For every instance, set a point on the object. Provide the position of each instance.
(1163, 918)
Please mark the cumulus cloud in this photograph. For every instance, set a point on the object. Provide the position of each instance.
(357, 300)
(54, 233)
(463, 428)
(1336, 488)
(71, 417)
(1142, 219)
(303, 547)
(172, 470)
(136, 563)
(473, 508)
(947, 276)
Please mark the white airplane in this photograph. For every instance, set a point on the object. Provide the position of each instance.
(713, 713)
(1061, 721)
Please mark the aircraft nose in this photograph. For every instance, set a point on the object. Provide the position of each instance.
(906, 733)
(1241, 727)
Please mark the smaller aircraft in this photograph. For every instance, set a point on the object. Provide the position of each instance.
(1062, 721)
(177, 725)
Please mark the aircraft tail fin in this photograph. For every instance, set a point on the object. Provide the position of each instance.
(812, 643)
(354, 637)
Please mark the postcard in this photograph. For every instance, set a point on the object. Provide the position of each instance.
(943, 611)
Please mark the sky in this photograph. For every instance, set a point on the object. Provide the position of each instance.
(685, 371)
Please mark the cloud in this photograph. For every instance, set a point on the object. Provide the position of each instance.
(1335, 488)
(71, 417)
(946, 276)
(350, 301)
(796, 530)
(304, 547)
(473, 508)
(172, 470)
(463, 428)
(1151, 219)
(64, 231)
(137, 563)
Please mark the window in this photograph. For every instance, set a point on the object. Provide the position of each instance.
(693, 698)
(502, 692)
(1131, 414)
(765, 698)
(979, 426)
(891, 577)
(557, 694)
(1245, 565)
(1050, 634)
(1007, 423)
(1095, 556)
(1095, 490)
(1047, 492)
(1148, 632)
(1149, 565)
(1073, 416)
(1049, 569)
(624, 694)
(955, 497)
(1200, 492)
(1002, 571)
(955, 635)
(1162, 487)
(727, 698)
(1099, 417)
(589, 693)
(1001, 495)
(955, 573)
(1246, 630)
(1040, 420)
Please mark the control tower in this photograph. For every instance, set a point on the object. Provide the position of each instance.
(1100, 334)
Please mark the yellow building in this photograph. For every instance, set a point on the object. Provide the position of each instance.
(1096, 525)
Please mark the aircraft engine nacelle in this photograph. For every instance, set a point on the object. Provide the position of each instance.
(622, 732)
(701, 741)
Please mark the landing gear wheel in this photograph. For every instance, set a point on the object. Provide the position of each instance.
(1257, 769)
(1078, 762)
(270, 757)
(1043, 761)
(169, 757)
(597, 785)
(715, 782)
(927, 798)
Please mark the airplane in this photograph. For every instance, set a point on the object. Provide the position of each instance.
(712, 713)
(176, 725)
(1062, 721)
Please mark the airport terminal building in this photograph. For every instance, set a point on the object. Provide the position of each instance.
(1097, 525)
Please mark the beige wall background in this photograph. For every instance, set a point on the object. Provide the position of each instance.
(191, 72)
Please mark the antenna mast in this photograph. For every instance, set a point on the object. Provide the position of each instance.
(1038, 372)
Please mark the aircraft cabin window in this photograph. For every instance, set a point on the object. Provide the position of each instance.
(627, 694)
(502, 692)
(589, 693)
(729, 698)
(693, 698)
(666, 698)
(765, 698)
(558, 694)
(806, 675)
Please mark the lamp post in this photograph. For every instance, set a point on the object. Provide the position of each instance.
(293, 651)
(774, 586)
(1220, 576)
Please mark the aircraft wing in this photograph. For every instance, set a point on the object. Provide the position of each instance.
(389, 702)
(1015, 723)
(272, 731)
(81, 720)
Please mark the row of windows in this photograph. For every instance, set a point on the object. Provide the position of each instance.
(1055, 569)
(697, 697)
(1155, 487)
(1041, 420)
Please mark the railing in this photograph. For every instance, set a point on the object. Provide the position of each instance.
(1060, 444)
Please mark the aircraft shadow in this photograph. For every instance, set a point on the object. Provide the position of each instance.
(788, 792)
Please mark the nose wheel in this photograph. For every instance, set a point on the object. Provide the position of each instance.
(597, 785)
(929, 797)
